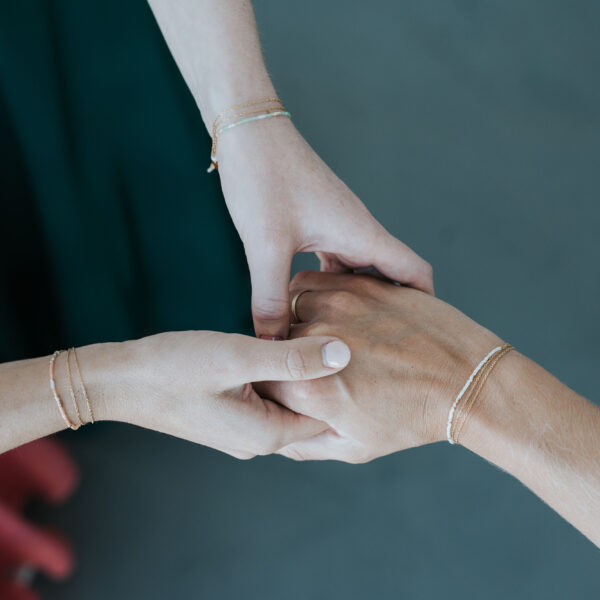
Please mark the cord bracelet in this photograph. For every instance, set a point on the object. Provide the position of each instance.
(228, 119)
(468, 395)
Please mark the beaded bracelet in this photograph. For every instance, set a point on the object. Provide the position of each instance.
(468, 395)
(224, 121)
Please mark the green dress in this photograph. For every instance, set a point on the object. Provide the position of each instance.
(110, 226)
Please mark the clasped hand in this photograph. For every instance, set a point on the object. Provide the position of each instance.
(409, 351)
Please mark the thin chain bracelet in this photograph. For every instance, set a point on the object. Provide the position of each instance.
(219, 117)
(470, 399)
(72, 389)
(476, 390)
(57, 398)
(85, 394)
(223, 119)
(219, 124)
(244, 105)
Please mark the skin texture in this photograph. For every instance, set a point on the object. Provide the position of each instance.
(391, 397)
(412, 353)
(281, 196)
(194, 385)
(215, 45)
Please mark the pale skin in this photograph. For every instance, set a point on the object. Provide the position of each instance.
(194, 385)
(412, 353)
(282, 197)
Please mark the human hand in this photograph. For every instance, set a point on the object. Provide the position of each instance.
(284, 199)
(411, 353)
(196, 385)
(44, 469)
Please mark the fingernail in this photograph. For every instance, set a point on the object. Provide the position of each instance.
(335, 354)
(271, 338)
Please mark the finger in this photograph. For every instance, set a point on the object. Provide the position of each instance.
(285, 427)
(325, 446)
(13, 590)
(398, 262)
(317, 281)
(330, 263)
(372, 272)
(299, 330)
(317, 398)
(41, 467)
(270, 275)
(307, 306)
(24, 544)
(306, 358)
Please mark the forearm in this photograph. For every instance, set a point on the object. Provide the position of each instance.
(216, 47)
(531, 425)
(28, 410)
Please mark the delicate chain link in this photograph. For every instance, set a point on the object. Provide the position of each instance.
(85, 394)
(475, 390)
(57, 398)
(71, 388)
(221, 120)
(468, 395)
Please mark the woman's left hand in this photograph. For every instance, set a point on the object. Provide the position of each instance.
(411, 353)
(284, 199)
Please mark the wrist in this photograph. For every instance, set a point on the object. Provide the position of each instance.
(231, 91)
(259, 146)
(107, 372)
(505, 424)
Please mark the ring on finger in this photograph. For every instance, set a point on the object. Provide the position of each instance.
(295, 306)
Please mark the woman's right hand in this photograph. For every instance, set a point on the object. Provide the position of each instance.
(196, 385)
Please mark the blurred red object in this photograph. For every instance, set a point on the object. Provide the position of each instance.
(39, 469)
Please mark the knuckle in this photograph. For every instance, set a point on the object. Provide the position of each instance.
(303, 397)
(316, 328)
(341, 300)
(365, 284)
(300, 279)
(270, 309)
(427, 271)
(295, 364)
(309, 399)
(302, 393)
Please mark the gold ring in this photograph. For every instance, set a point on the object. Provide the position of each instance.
(295, 303)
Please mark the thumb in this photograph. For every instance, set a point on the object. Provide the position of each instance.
(270, 275)
(398, 262)
(291, 360)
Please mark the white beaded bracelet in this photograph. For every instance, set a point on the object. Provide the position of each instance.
(478, 368)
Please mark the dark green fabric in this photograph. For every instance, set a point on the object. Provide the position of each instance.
(110, 228)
